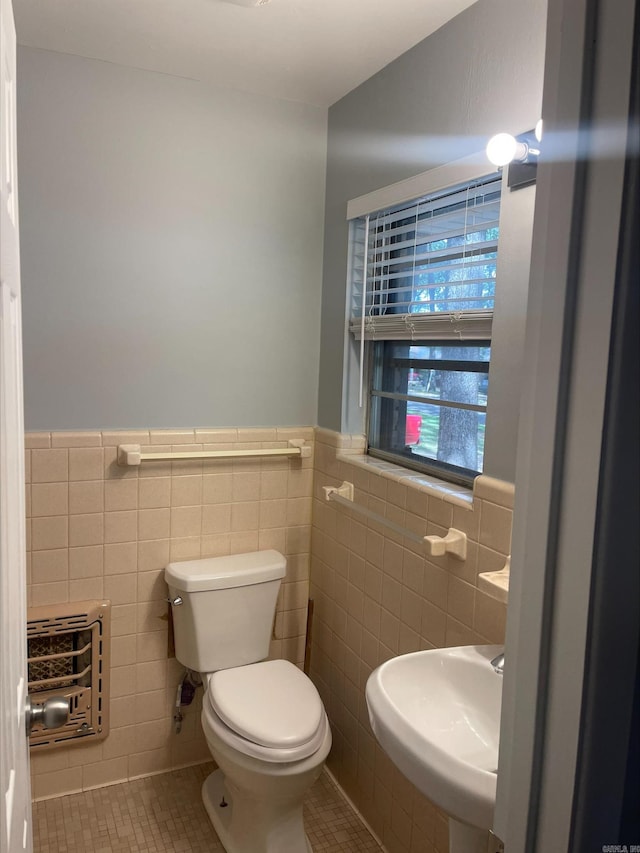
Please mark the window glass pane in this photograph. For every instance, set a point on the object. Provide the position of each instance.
(458, 387)
(452, 436)
(404, 351)
(446, 431)
(438, 372)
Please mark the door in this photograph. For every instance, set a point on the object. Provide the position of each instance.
(15, 808)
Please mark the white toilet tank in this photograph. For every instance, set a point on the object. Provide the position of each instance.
(227, 610)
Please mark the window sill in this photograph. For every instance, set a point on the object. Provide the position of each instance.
(448, 492)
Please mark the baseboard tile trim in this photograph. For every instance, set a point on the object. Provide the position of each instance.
(169, 770)
(121, 781)
(355, 810)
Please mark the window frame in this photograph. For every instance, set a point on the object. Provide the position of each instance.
(431, 182)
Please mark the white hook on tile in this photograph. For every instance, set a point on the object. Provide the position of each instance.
(345, 491)
(454, 543)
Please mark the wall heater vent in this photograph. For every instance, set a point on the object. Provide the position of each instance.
(68, 655)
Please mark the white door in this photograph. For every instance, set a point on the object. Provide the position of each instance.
(15, 809)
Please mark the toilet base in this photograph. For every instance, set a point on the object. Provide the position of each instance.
(251, 832)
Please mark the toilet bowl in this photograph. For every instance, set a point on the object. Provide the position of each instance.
(266, 766)
(263, 720)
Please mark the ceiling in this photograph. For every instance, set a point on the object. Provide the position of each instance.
(313, 51)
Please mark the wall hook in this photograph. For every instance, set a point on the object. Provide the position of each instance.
(346, 491)
(454, 543)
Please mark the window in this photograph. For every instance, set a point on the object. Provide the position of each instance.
(423, 310)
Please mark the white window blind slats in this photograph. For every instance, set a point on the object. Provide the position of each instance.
(445, 204)
(461, 303)
(425, 265)
(434, 227)
(429, 268)
(411, 287)
(422, 241)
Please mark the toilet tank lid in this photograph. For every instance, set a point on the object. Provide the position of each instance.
(226, 572)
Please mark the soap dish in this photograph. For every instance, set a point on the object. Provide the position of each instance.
(496, 584)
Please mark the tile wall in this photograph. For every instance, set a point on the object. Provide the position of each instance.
(98, 530)
(376, 596)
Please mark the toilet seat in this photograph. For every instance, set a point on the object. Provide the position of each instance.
(212, 722)
(268, 710)
(271, 703)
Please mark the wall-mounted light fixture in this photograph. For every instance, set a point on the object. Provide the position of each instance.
(519, 153)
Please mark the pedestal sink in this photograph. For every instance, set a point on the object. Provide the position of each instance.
(437, 716)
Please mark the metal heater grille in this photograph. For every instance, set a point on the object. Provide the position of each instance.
(68, 655)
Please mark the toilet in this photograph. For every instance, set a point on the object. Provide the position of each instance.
(263, 720)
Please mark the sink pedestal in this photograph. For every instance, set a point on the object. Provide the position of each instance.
(436, 714)
(466, 839)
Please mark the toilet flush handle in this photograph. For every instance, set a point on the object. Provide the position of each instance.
(176, 602)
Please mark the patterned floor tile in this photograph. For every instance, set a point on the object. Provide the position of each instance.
(164, 814)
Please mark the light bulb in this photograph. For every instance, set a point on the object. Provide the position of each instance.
(538, 130)
(501, 149)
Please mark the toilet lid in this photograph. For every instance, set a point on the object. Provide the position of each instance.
(272, 703)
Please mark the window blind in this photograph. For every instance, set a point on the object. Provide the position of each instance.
(427, 270)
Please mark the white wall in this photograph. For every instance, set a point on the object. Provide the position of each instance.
(171, 249)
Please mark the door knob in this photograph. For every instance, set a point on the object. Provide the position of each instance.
(53, 713)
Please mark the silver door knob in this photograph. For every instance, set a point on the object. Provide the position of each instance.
(52, 714)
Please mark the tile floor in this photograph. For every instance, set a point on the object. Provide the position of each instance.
(163, 814)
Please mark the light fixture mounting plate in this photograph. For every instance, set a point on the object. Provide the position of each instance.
(524, 174)
(248, 3)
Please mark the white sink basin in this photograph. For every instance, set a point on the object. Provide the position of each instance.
(437, 716)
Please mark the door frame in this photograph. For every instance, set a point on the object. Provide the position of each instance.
(577, 224)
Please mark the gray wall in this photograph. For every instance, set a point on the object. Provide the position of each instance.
(506, 372)
(477, 75)
(171, 249)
